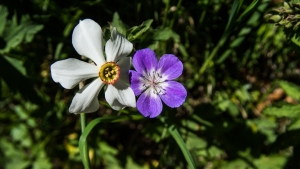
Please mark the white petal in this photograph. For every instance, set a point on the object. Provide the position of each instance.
(124, 65)
(86, 99)
(117, 46)
(70, 72)
(120, 95)
(87, 40)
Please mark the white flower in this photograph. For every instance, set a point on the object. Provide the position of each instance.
(87, 41)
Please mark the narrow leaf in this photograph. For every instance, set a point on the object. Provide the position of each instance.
(3, 15)
(91, 125)
(188, 157)
(234, 10)
(248, 10)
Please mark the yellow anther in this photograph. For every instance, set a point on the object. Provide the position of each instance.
(109, 72)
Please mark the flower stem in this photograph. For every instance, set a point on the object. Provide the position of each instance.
(85, 153)
(166, 13)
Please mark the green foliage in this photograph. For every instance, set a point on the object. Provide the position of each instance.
(241, 73)
(290, 89)
(290, 111)
(14, 32)
(174, 132)
(287, 16)
(136, 31)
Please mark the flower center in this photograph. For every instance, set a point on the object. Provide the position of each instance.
(155, 81)
(109, 73)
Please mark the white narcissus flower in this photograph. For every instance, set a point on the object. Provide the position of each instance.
(87, 41)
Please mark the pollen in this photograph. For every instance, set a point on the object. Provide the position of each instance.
(109, 72)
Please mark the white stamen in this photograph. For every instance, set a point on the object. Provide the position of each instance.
(153, 80)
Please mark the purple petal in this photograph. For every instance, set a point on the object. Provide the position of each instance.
(136, 82)
(149, 104)
(170, 66)
(144, 61)
(175, 94)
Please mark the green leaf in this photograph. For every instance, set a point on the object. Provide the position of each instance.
(91, 125)
(290, 89)
(295, 125)
(14, 78)
(271, 162)
(296, 39)
(188, 157)
(137, 31)
(117, 22)
(166, 34)
(266, 126)
(3, 15)
(42, 162)
(291, 111)
(17, 64)
(233, 13)
(248, 10)
(130, 164)
(230, 106)
(15, 33)
(236, 164)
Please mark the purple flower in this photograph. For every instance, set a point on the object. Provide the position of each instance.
(153, 82)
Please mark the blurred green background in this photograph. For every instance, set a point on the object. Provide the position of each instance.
(241, 73)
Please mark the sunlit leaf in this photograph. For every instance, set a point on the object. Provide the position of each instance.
(290, 89)
(287, 110)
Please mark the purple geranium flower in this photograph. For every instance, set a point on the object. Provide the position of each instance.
(153, 82)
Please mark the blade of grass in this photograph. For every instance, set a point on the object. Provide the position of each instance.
(91, 125)
(188, 157)
(236, 6)
(233, 12)
(248, 10)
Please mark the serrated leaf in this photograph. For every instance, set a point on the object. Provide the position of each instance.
(137, 31)
(290, 111)
(290, 89)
